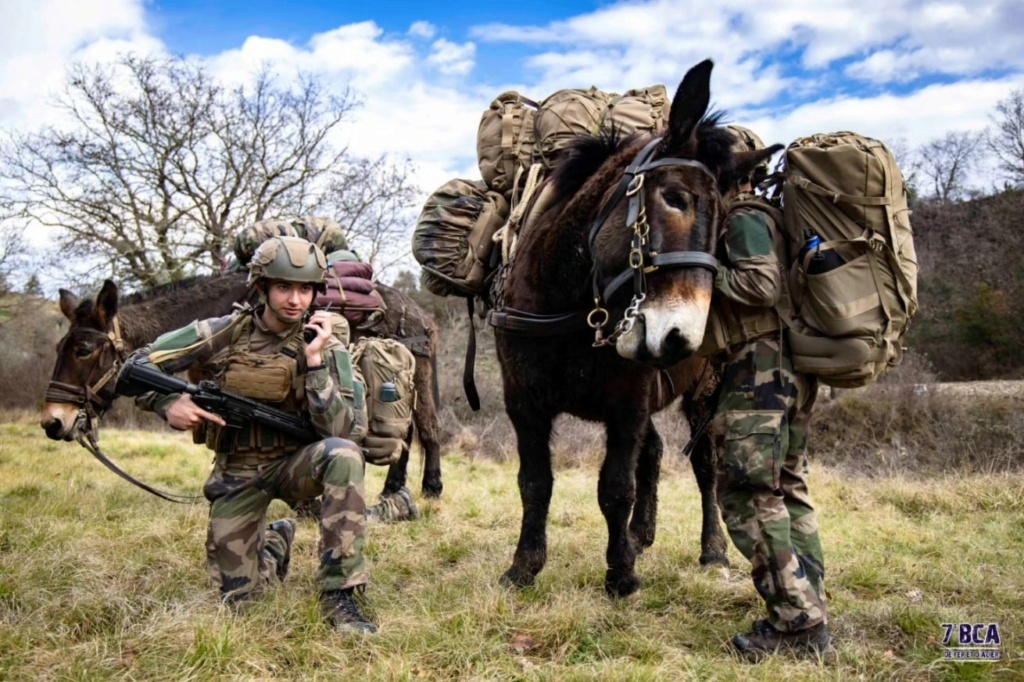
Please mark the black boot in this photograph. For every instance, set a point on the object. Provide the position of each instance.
(765, 639)
(286, 529)
(342, 611)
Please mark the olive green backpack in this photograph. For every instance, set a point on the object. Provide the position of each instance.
(388, 368)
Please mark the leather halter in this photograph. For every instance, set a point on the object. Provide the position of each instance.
(642, 260)
(87, 396)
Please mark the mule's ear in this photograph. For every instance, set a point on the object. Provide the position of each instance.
(106, 302)
(744, 164)
(68, 303)
(689, 104)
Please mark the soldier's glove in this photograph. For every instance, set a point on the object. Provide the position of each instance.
(382, 451)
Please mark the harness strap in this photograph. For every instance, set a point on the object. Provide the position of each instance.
(468, 381)
(532, 324)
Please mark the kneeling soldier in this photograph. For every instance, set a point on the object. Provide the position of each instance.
(262, 354)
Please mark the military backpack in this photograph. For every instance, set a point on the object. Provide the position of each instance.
(853, 279)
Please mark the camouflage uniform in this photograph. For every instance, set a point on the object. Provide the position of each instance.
(761, 426)
(243, 554)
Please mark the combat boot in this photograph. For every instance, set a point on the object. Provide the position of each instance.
(765, 639)
(397, 506)
(286, 529)
(342, 611)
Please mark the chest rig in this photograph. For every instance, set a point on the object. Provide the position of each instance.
(276, 378)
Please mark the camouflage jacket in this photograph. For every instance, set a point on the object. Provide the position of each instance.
(333, 396)
(750, 285)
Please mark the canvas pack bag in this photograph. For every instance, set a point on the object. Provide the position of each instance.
(388, 368)
(516, 132)
(853, 278)
(324, 232)
(453, 238)
(567, 114)
(504, 140)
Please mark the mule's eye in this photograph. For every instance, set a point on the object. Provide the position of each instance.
(82, 352)
(677, 199)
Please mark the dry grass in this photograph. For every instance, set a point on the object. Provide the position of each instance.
(100, 581)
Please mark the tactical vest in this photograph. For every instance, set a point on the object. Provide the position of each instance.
(731, 323)
(277, 379)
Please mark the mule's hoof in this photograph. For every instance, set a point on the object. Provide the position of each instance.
(517, 579)
(714, 559)
(617, 585)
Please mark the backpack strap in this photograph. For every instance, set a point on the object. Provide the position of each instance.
(804, 183)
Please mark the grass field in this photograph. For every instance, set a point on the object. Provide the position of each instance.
(100, 581)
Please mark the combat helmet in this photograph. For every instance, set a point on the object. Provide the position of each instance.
(291, 259)
(748, 141)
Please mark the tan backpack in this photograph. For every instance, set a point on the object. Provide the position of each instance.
(388, 368)
(567, 114)
(855, 291)
(515, 132)
(453, 238)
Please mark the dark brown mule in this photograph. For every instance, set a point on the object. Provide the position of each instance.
(589, 251)
(103, 331)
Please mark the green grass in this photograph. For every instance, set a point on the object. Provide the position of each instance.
(100, 581)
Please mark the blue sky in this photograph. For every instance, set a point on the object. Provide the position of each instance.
(904, 71)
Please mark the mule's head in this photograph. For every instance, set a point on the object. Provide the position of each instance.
(689, 171)
(87, 356)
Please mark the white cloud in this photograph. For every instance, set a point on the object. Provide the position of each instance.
(452, 59)
(38, 38)
(422, 29)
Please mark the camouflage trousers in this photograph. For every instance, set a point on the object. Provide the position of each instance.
(761, 427)
(243, 555)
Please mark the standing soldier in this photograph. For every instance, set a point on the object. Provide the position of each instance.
(262, 354)
(761, 427)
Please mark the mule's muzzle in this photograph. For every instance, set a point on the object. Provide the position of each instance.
(55, 430)
(673, 350)
(60, 423)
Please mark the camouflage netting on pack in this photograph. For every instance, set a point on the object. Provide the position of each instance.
(453, 239)
(324, 232)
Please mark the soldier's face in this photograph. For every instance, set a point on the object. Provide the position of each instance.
(289, 300)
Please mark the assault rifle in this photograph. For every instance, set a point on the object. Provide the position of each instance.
(237, 411)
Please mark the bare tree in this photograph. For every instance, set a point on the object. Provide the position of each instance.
(159, 165)
(371, 200)
(946, 163)
(1007, 140)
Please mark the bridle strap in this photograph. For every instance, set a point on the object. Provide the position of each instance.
(60, 392)
(673, 259)
(631, 186)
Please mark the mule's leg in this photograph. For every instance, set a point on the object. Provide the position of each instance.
(648, 468)
(399, 471)
(704, 461)
(533, 433)
(616, 494)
